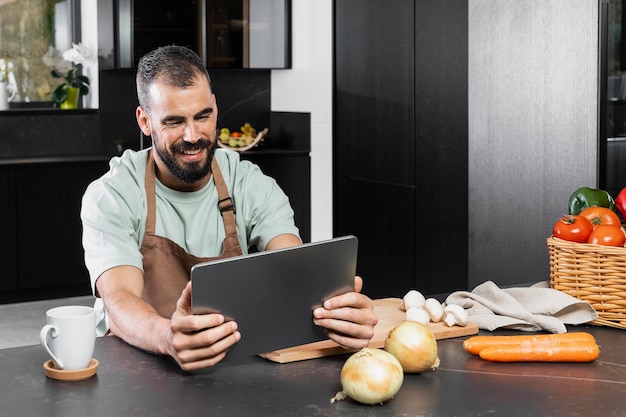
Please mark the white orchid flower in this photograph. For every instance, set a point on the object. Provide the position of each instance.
(77, 54)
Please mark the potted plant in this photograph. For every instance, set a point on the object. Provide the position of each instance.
(75, 84)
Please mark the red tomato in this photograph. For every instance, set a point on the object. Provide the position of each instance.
(608, 236)
(573, 227)
(601, 216)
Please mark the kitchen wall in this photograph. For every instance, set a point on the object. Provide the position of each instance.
(307, 87)
(533, 105)
(532, 122)
(533, 132)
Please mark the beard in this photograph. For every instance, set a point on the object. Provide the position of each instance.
(187, 172)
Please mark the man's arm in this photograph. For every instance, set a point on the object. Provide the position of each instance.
(194, 341)
(283, 241)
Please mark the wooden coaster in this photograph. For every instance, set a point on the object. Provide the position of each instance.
(75, 375)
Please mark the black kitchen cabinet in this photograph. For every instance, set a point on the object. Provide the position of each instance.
(401, 142)
(8, 231)
(292, 172)
(226, 34)
(375, 213)
(374, 91)
(42, 246)
(285, 156)
(163, 22)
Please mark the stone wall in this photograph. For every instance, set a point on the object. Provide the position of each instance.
(27, 32)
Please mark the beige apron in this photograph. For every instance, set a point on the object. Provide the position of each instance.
(166, 265)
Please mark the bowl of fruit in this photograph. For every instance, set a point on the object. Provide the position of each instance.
(244, 139)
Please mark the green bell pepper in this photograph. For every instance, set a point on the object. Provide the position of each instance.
(588, 197)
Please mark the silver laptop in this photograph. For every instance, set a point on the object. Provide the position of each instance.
(271, 295)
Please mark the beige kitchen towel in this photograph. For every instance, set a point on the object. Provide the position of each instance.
(532, 308)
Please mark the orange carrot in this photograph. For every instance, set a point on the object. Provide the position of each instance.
(476, 344)
(562, 352)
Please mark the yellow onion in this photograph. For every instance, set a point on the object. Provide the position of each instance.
(370, 376)
(414, 345)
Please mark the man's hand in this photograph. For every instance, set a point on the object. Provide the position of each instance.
(199, 341)
(349, 318)
(194, 341)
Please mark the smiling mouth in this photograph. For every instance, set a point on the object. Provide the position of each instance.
(191, 151)
(191, 155)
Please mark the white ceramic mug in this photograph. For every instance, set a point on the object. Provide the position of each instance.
(69, 336)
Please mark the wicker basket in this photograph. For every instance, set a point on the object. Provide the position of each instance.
(592, 273)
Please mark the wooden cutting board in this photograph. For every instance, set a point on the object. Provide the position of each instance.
(389, 315)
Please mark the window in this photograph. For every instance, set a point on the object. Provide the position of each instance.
(33, 33)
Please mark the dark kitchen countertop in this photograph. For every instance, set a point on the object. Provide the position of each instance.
(54, 159)
(130, 382)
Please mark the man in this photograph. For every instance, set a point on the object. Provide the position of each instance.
(159, 211)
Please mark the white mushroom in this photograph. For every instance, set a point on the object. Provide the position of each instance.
(413, 298)
(435, 310)
(455, 314)
(417, 314)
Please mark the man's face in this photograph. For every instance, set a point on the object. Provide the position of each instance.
(183, 126)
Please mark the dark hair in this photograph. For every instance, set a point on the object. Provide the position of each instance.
(175, 65)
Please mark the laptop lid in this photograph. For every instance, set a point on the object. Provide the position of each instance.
(272, 294)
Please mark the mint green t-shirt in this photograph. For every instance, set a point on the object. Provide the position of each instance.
(114, 209)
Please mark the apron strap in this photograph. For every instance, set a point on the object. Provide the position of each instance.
(150, 195)
(225, 204)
